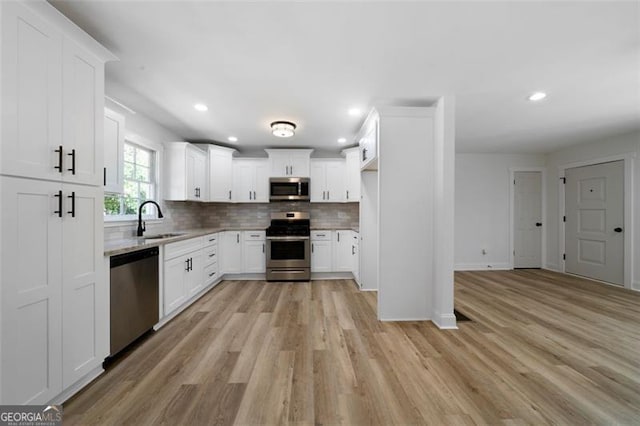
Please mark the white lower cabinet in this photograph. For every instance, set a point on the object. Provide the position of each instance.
(210, 257)
(231, 252)
(342, 251)
(52, 242)
(254, 252)
(183, 272)
(355, 256)
(321, 251)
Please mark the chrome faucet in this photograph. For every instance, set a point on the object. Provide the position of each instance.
(141, 225)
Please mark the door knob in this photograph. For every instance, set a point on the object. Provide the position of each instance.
(538, 223)
(618, 229)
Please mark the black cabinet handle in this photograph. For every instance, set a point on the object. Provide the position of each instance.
(254, 195)
(263, 247)
(187, 262)
(338, 237)
(73, 204)
(353, 250)
(229, 194)
(211, 239)
(311, 248)
(59, 196)
(238, 238)
(618, 229)
(105, 176)
(59, 166)
(347, 194)
(73, 162)
(212, 254)
(364, 154)
(538, 223)
(212, 274)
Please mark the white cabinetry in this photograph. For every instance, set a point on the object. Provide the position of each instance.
(253, 256)
(355, 256)
(342, 251)
(52, 98)
(327, 181)
(289, 162)
(51, 223)
(210, 255)
(368, 142)
(231, 252)
(220, 179)
(250, 180)
(321, 251)
(352, 175)
(113, 152)
(183, 269)
(186, 170)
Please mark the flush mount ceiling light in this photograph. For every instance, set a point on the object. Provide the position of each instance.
(283, 129)
(342, 140)
(201, 107)
(537, 96)
(232, 139)
(355, 112)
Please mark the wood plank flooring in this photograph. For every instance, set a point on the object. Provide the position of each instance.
(541, 348)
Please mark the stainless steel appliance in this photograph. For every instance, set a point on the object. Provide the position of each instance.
(134, 296)
(289, 189)
(288, 247)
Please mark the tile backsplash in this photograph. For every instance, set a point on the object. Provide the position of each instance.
(180, 215)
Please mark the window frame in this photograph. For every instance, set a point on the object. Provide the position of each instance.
(156, 151)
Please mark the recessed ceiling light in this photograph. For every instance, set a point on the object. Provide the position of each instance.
(232, 139)
(355, 111)
(283, 129)
(201, 107)
(342, 140)
(537, 96)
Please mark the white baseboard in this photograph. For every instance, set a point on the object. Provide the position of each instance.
(498, 266)
(368, 289)
(404, 319)
(445, 321)
(552, 267)
(331, 276)
(77, 386)
(635, 285)
(245, 277)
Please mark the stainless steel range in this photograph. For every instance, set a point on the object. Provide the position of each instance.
(288, 247)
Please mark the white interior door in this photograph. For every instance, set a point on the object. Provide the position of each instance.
(527, 220)
(594, 232)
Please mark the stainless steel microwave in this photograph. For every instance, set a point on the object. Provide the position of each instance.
(289, 189)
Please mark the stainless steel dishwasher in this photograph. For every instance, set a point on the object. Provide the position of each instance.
(134, 296)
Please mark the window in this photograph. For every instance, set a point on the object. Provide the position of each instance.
(139, 184)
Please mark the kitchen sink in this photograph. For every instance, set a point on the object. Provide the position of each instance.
(161, 236)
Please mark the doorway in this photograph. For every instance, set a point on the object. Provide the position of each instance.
(594, 229)
(527, 219)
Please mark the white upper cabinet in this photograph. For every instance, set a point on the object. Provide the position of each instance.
(289, 162)
(52, 98)
(352, 175)
(220, 179)
(327, 181)
(185, 172)
(250, 180)
(113, 151)
(368, 142)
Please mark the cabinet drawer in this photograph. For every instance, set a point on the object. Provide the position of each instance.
(211, 273)
(321, 235)
(210, 239)
(210, 254)
(180, 248)
(254, 235)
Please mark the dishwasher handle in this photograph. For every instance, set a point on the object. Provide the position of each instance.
(123, 259)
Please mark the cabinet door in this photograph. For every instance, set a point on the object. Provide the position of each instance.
(261, 183)
(369, 146)
(84, 292)
(279, 165)
(299, 165)
(317, 183)
(200, 176)
(31, 310)
(83, 118)
(352, 177)
(232, 252)
(175, 282)
(220, 175)
(321, 254)
(243, 181)
(355, 263)
(113, 152)
(195, 279)
(334, 173)
(31, 94)
(343, 257)
(191, 175)
(254, 257)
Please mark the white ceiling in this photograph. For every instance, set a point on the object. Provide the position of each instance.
(309, 62)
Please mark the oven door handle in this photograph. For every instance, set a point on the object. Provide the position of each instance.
(287, 238)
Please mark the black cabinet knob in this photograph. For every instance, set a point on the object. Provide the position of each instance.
(618, 229)
(538, 223)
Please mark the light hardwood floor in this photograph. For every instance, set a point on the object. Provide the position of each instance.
(542, 348)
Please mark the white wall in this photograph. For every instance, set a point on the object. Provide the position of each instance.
(628, 144)
(482, 208)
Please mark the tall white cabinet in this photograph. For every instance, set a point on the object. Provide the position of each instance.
(186, 171)
(220, 168)
(54, 320)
